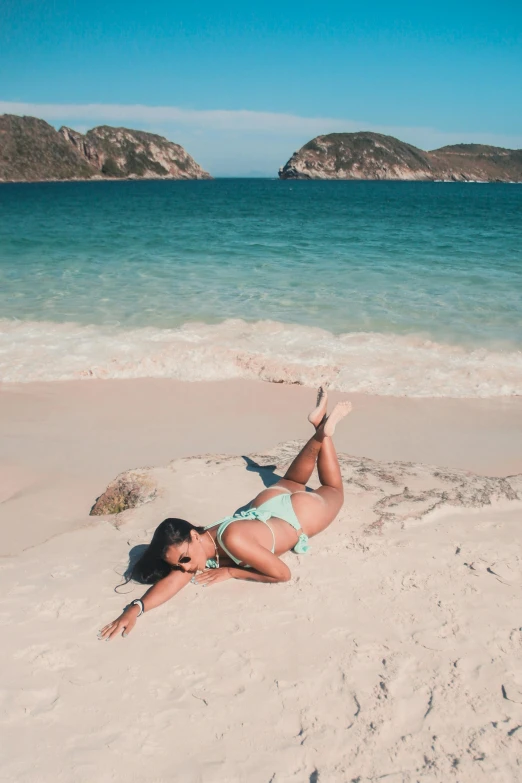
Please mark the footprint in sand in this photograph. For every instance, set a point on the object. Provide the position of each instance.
(48, 658)
(445, 637)
(62, 609)
(84, 677)
(36, 703)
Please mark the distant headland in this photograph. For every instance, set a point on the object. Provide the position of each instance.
(31, 150)
(373, 156)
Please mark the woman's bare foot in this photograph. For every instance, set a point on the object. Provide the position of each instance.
(341, 410)
(319, 412)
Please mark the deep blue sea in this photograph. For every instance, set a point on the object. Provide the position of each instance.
(386, 287)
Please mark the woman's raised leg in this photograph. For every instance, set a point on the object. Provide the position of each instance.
(299, 472)
(327, 463)
(316, 510)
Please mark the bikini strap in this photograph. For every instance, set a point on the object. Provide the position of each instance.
(254, 513)
(251, 513)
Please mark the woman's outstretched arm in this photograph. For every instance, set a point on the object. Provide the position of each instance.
(155, 596)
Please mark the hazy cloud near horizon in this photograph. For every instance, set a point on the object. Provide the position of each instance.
(237, 142)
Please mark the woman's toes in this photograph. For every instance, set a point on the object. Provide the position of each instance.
(316, 417)
(341, 410)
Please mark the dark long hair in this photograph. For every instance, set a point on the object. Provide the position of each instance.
(151, 567)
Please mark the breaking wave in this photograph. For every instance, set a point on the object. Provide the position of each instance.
(267, 350)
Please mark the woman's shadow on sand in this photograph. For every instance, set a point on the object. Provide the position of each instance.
(266, 473)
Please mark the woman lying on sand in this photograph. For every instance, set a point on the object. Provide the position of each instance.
(245, 546)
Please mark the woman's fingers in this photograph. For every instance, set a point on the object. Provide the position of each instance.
(118, 628)
(104, 631)
(206, 576)
(128, 628)
(212, 576)
(123, 625)
(111, 629)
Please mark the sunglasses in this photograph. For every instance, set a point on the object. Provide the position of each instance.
(184, 558)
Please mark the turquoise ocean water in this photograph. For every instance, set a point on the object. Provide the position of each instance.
(390, 287)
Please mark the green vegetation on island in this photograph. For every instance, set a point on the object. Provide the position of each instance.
(31, 150)
(374, 156)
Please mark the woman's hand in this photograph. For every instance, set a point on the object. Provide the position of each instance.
(123, 625)
(211, 576)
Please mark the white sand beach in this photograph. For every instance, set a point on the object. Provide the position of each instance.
(393, 653)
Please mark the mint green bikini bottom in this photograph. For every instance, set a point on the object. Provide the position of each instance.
(279, 506)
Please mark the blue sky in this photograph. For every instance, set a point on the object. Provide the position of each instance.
(242, 85)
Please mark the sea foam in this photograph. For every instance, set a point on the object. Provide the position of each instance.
(374, 363)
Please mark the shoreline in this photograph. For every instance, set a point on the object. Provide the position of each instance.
(386, 364)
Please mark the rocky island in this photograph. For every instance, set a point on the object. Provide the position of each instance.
(31, 150)
(374, 156)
